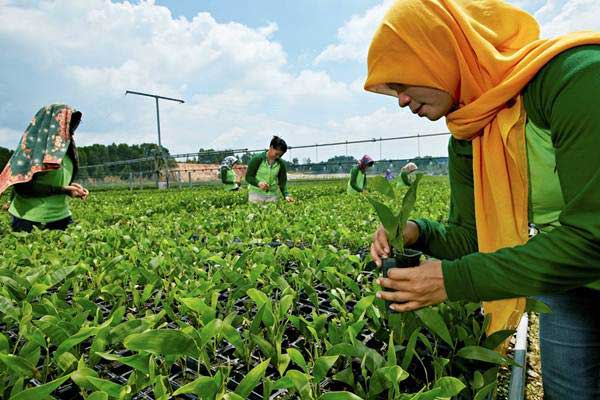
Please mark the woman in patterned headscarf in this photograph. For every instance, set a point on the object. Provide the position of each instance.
(41, 171)
(228, 176)
(358, 175)
(523, 113)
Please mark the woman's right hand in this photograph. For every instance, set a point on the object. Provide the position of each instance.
(380, 248)
(263, 185)
(76, 190)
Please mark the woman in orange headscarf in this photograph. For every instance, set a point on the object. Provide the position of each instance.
(524, 115)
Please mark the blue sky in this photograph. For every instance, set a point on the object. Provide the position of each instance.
(246, 69)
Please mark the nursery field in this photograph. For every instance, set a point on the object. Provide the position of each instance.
(194, 293)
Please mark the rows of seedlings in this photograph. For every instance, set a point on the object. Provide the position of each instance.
(194, 294)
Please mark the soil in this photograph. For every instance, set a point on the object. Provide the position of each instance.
(534, 390)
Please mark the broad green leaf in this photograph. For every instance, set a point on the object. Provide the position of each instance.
(252, 379)
(139, 362)
(264, 345)
(362, 305)
(18, 364)
(55, 276)
(98, 396)
(166, 342)
(322, 365)
(285, 304)
(409, 353)
(386, 216)
(482, 354)
(408, 203)
(301, 383)
(4, 346)
(77, 338)
(261, 300)
(297, 358)
(485, 391)
(233, 336)
(434, 321)
(66, 361)
(232, 396)
(346, 376)
(339, 396)
(211, 331)
(391, 352)
(203, 386)
(450, 386)
(382, 185)
(7, 307)
(536, 306)
(40, 392)
(283, 360)
(200, 307)
(385, 377)
(110, 388)
(80, 377)
(496, 338)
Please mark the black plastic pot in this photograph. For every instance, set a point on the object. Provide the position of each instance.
(410, 258)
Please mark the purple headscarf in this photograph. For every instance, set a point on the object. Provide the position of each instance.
(365, 161)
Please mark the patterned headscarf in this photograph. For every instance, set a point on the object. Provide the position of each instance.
(364, 162)
(228, 162)
(43, 145)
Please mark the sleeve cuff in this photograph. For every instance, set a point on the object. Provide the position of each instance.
(422, 240)
(458, 281)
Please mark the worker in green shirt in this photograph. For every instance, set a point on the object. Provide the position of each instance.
(267, 173)
(406, 171)
(228, 176)
(42, 169)
(358, 175)
(523, 113)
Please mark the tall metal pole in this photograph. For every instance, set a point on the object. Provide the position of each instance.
(160, 149)
(158, 124)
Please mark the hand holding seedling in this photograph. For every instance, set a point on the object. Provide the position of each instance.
(414, 288)
(263, 186)
(289, 199)
(380, 248)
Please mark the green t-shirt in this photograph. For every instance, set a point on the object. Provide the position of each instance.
(275, 174)
(229, 178)
(45, 209)
(562, 99)
(358, 180)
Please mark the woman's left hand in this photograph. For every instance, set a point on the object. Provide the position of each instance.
(415, 287)
(289, 199)
(84, 191)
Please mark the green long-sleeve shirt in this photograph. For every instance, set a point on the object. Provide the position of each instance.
(563, 99)
(259, 170)
(358, 180)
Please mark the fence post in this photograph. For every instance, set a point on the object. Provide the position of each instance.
(131, 181)
(190, 178)
(179, 179)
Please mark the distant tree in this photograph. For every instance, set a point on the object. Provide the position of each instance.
(5, 155)
(295, 160)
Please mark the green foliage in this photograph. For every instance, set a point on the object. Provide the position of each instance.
(153, 281)
(394, 222)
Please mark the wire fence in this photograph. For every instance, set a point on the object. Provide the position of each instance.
(202, 167)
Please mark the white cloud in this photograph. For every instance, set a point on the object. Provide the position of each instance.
(88, 53)
(355, 35)
(555, 17)
(573, 15)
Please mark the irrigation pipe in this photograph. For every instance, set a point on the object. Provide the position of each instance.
(517, 378)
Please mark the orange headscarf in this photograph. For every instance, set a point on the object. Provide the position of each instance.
(483, 53)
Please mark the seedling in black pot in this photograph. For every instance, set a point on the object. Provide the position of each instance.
(394, 222)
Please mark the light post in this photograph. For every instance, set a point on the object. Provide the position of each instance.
(156, 97)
